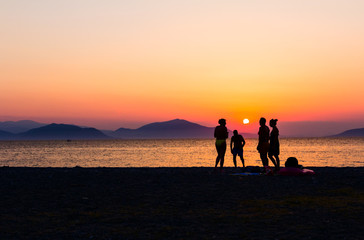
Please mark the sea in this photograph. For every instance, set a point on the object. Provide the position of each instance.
(314, 152)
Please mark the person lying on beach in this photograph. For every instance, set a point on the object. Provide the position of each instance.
(237, 144)
(292, 168)
(292, 162)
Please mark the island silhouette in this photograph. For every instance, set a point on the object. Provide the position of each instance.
(173, 129)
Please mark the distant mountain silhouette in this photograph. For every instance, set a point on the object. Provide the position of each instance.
(19, 126)
(170, 129)
(62, 131)
(358, 132)
(173, 129)
(6, 135)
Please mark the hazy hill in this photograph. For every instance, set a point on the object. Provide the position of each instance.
(358, 132)
(170, 129)
(6, 135)
(62, 131)
(19, 126)
(173, 129)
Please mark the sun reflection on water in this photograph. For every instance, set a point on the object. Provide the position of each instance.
(320, 152)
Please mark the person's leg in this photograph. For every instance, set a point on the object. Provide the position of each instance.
(217, 161)
(242, 160)
(261, 158)
(264, 158)
(218, 155)
(234, 159)
(222, 155)
(272, 159)
(277, 161)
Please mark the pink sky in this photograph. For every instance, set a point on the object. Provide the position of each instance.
(115, 64)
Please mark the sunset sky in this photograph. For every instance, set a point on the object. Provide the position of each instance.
(111, 64)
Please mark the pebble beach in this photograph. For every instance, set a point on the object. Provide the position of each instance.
(179, 203)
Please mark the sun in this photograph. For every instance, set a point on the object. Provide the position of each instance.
(246, 121)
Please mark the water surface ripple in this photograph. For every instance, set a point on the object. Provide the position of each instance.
(318, 152)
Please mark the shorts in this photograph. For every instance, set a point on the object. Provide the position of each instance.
(263, 147)
(237, 151)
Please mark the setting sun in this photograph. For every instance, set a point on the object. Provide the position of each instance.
(129, 64)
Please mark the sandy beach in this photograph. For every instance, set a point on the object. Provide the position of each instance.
(179, 203)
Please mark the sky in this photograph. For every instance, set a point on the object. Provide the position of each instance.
(111, 64)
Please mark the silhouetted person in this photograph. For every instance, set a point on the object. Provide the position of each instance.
(292, 162)
(238, 141)
(263, 144)
(274, 144)
(221, 134)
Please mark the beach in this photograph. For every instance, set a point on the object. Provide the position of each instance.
(179, 203)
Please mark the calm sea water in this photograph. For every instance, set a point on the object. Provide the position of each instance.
(318, 152)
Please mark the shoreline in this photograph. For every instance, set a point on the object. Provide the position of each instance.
(179, 203)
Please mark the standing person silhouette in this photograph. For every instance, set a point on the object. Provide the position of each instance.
(238, 141)
(221, 134)
(274, 144)
(263, 143)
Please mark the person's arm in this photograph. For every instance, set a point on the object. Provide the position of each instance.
(231, 144)
(259, 139)
(267, 133)
(215, 132)
(243, 141)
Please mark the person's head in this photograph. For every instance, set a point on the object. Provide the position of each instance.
(235, 132)
(222, 122)
(291, 162)
(273, 122)
(262, 121)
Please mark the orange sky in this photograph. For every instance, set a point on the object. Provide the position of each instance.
(113, 64)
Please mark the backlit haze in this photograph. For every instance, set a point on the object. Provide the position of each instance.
(111, 64)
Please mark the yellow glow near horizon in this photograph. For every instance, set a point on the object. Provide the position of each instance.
(156, 60)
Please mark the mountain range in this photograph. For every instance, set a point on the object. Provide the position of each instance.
(55, 131)
(358, 132)
(19, 126)
(171, 129)
(174, 129)
(62, 131)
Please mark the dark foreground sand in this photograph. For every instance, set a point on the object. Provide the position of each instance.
(179, 203)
